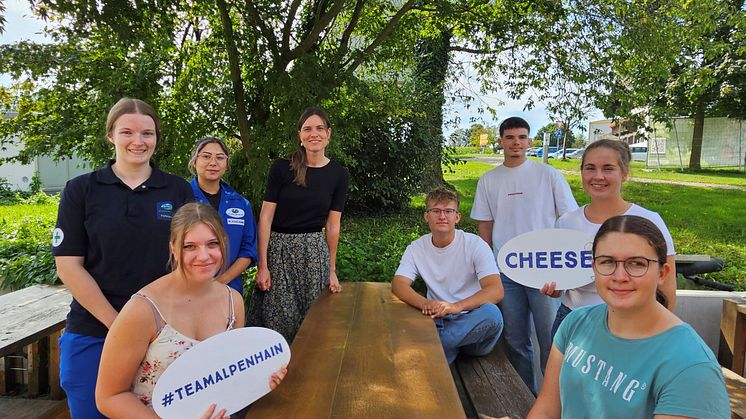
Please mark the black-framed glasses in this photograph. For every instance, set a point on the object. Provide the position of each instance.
(448, 212)
(206, 157)
(635, 266)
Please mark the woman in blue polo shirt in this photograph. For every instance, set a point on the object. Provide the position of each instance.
(209, 163)
(111, 239)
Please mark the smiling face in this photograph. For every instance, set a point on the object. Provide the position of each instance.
(603, 173)
(619, 290)
(314, 134)
(134, 138)
(211, 162)
(200, 255)
(442, 223)
(515, 142)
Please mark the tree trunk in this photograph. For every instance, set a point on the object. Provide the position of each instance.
(699, 127)
(432, 68)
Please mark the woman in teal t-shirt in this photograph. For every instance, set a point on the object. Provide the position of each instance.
(630, 357)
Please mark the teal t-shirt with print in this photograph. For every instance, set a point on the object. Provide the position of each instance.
(672, 373)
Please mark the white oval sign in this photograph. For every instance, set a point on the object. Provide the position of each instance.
(231, 369)
(553, 255)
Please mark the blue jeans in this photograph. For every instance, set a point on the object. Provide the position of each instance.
(79, 359)
(562, 312)
(519, 306)
(473, 333)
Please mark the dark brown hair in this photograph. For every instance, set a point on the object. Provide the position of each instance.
(642, 227)
(621, 148)
(126, 106)
(298, 160)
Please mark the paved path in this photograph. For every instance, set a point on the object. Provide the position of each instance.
(495, 160)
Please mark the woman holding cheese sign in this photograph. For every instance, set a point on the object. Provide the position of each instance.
(604, 167)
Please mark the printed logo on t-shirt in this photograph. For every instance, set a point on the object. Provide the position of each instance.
(57, 236)
(164, 211)
(235, 221)
(616, 381)
(235, 212)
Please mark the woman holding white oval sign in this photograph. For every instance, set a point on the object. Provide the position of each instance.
(169, 316)
(604, 167)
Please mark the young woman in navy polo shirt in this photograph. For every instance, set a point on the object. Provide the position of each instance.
(299, 229)
(209, 163)
(111, 239)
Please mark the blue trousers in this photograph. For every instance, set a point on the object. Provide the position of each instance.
(473, 333)
(79, 359)
(562, 312)
(520, 306)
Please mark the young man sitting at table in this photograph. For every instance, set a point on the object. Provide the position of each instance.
(462, 279)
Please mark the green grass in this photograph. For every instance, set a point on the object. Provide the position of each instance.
(638, 169)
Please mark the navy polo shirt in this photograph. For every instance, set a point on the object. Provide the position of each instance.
(122, 233)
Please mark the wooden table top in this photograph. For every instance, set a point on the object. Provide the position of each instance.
(31, 313)
(363, 353)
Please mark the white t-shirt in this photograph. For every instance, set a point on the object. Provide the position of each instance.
(576, 220)
(451, 273)
(521, 199)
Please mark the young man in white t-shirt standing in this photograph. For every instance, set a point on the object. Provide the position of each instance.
(463, 282)
(514, 198)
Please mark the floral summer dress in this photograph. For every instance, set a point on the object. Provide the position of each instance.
(163, 350)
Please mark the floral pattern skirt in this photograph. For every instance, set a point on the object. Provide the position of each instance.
(299, 268)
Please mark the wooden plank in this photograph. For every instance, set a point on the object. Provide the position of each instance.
(494, 388)
(30, 314)
(732, 349)
(33, 369)
(16, 408)
(55, 390)
(736, 386)
(692, 258)
(364, 354)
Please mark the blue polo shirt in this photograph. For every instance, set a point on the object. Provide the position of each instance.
(239, 224)
(122, 233)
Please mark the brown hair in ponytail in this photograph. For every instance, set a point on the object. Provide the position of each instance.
(298, 160)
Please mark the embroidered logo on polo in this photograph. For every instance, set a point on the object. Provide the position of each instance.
(164, 211)
(235, 212)
(57, 236)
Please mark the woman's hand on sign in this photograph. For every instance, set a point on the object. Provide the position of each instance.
(277, 377)
(220, 415)
(549, 289)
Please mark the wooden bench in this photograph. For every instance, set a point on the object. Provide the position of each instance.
(489, 386)
(27, 317)
(731, 353)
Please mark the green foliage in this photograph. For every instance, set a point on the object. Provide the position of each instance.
(25, 251)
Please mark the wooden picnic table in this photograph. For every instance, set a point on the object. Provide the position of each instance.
(363, 353)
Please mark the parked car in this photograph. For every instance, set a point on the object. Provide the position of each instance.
(576, 154)
(558, 154)
(532, 151)
(550, 150)
(639, 151)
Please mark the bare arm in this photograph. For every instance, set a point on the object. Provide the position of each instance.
(669, 284)
(267, 214)
(491, 293)
(333, 225)
(124, 350)
(548, 404)
(485, 231)
(84, 288)
(236, 268)
(401, 286)
(238, 309)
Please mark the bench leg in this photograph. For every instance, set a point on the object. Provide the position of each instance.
(732, 337)
(32, 352)
(55, 391)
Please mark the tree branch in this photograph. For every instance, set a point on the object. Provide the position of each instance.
(256, 19)
(289, 25)
(311, 39)
(344, 42)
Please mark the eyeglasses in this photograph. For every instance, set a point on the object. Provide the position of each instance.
(206, 157)
(448, 212)
(635, 266)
